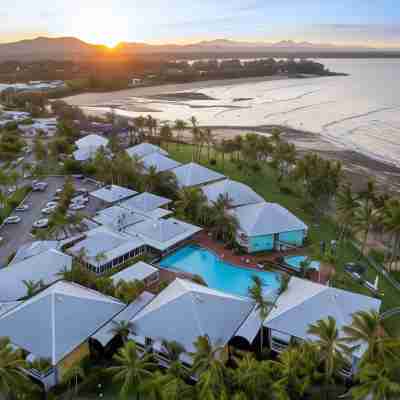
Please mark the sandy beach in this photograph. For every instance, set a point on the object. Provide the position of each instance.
(100, 98)
(359, 165)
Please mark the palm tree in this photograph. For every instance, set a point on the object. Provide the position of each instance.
(131, 369)
(166, 134)
(32, 287)
(363, 220)
(262, 305)
(122, 329)
(381, 381)
(346, 204)
(73, 374)
(296, 369)
(209, 365)
(207, 355)
(189, 204)
(12, 379)
(180, 126)
(367, 328)
(332, 348)
(173, 350)
(391, 222)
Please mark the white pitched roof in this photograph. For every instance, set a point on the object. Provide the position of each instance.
(267, 218)
(139, 271)
(144, 149)
(239, 193)
(33, 249)
(105, 242)
(113, 193)
(160, 162)
(117, 217)
(105, 334)
(163, 233)
(54, 322)
(45, 266)
(305, 302)
(145, 202)
(185, 310)
(91, 141)
(193, 174)
(84, 153)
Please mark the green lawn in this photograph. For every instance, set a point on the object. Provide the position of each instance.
(265, 183)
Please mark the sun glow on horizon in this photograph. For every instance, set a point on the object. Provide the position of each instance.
(100, 26)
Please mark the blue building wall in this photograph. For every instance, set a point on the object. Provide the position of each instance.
(294, 237)
(267, 242)
(261, 243)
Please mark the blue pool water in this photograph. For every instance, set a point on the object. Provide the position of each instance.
(217, 273)
(295, 262)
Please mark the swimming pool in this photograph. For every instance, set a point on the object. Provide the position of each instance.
(217, 273)
(295, 262)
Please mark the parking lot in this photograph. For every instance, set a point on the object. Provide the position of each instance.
(16, 235)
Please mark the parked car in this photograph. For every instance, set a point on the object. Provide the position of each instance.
(12, 189)
(58, 191)
(40, 186)
(52, 204)
(1, 240)
(56, 198)
(23, 207)
(79, 176)
(48, 210)
(41, 223)
(12, 220)
(77, 206)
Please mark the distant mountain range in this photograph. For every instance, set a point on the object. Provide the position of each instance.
(70, 48)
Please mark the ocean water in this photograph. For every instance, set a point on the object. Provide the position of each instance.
(360, 111)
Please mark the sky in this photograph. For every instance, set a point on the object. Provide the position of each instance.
(349, 22)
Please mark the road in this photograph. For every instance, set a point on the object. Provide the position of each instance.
(19, 234)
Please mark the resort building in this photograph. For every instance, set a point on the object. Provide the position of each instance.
(268, 226)
(238, 193)
(148, 204)
(103, 249)
(55, 327)
(192, 175)
(45, 267)
(304, 303)
(111, 194)
(163, 235)
(140, 271)
(117, 217)
(88, 147)
(145, 149)
(184, 311)
(33, 249)
(105, 334)
(160, 162)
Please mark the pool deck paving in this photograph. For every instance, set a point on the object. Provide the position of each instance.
(253, 261)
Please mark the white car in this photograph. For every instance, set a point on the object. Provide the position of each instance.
(58, 191)
(52, 204)
(77, 206)
(1, 240)
(39, 186)
(12, 189)
(41, 223)
(23, 207)
(48, 210)
(12, 220)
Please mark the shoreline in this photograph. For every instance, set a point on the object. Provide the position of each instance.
(358, 167)
(93, 99)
